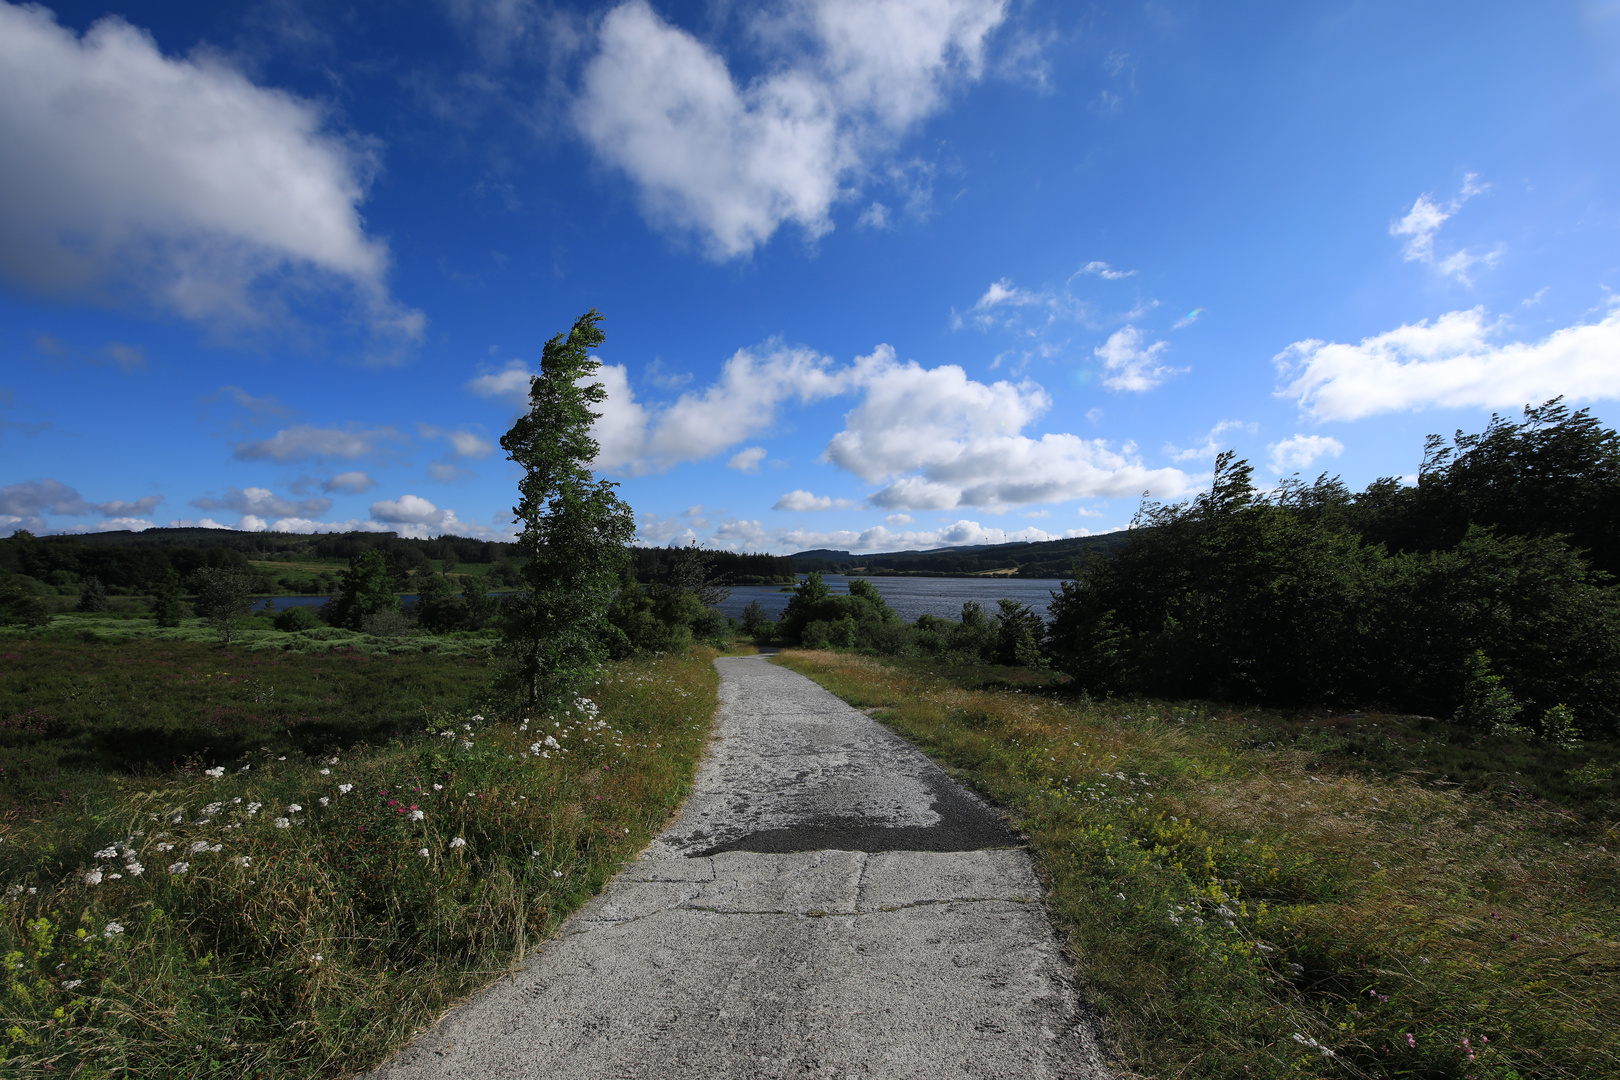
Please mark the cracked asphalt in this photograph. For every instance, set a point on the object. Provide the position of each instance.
(829, 904)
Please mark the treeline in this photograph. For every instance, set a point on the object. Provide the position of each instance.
(1043, 559)
(1484, 592)
(137, 563)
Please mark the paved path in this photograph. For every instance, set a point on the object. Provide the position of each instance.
(830, 904)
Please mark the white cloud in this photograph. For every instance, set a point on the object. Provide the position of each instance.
(1423, 221)
(408, 510)
(1005, 292)
(349, 483)
(463, 443)
(638, 439)
(24, 506)
(1129, 365)
(511, 382)
(734, 163)
(801, 500)
(962, 442)
(1211, 444)
(1103, 270)
(130, 173)
(875, 216)
(747, 459)
(1298, 451)
(262, 502)
(878, 538)
(898, 519)
(301, 442)
(1451, 363)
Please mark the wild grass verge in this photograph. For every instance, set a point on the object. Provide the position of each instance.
(290, 916)
(1241, 912)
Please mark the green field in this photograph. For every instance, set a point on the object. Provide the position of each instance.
(281, 861)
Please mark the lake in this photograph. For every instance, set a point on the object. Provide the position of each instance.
(909, 596)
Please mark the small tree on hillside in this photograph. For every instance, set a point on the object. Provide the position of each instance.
(223, 596)
(166, 608)
(93, 595)
(575, 527)
(367, 589)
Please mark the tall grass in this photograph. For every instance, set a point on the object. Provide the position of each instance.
(284, 915)
(1239, 912)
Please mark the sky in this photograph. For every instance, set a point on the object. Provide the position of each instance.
(875, 275)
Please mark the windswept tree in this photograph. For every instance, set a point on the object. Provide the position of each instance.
(575, 527)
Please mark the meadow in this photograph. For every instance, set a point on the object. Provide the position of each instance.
(280, 861)
(1254, 893)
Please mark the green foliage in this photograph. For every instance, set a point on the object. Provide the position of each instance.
(756, 624)
(1279, 599)
(295, 619)
(223, 598)
(366, 590)
(1487, 705)
(93, 595)
(575, 528)
(821, 619)
(1558, 727)
(18, 606)
(167, 608)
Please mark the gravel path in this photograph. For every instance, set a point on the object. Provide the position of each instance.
(830, 904)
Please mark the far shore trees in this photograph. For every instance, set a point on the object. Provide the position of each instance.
(575, 527)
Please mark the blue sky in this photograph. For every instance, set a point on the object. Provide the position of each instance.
(876, 274)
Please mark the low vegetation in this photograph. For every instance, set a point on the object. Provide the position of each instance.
(277, 894)
(1251, 894)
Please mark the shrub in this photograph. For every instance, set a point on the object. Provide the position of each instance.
(295, 619)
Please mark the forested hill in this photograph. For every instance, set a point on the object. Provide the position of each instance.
(1046, 559)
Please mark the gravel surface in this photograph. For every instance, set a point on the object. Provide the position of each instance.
(830, 904)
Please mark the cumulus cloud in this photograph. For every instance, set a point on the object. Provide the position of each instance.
(1210, 445)
(733, 163)
(961, 533)
(349, 483)
(262, 502)
(511, 383)
(744, 401)
(1298, 451)
(178, 181)
(747, 459)
(301, 442)
(1128, 364)
(802, 500)
(463, 443)
(961, 443)
(1422, 223)
(1453, 362)
(24, 505)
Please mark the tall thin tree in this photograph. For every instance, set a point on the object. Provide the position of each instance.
(575, 527)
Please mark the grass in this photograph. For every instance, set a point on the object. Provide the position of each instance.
(1258, 896)
(272, 912)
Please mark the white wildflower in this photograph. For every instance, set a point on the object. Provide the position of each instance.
(324, 800)
(553, 743)
(213, 808)
(438, 787)
(422, 852)
(458, 842)
(215, 848)
(293, 808)
(466, 744)
(317, 958)
(244, 768)
(134, 869)
(73, 984)
(447, 734)
(243, 860)
(93, 877)
(416, 815)
(332, 761)
(200, 845)
(283, 823)
(554, 873)
(165, 847)
(107, 853)
(254, 808)
(344, 789)
(326, 772)
(112, 930)
(179, 867)
(283, 757)
(216, 772)
(13, 890)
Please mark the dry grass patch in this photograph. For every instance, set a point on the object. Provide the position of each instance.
(1249, 913)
